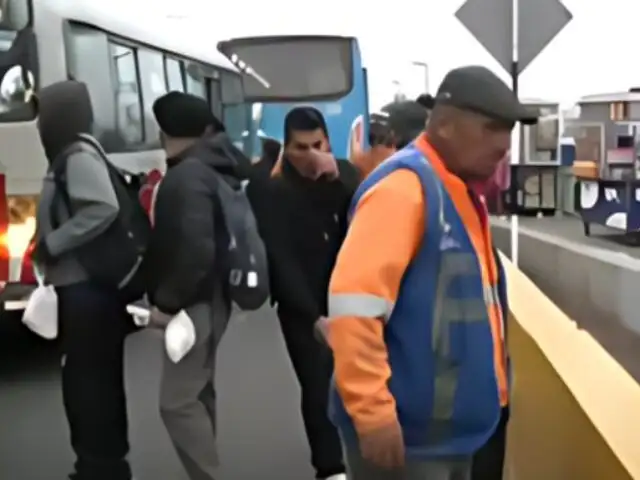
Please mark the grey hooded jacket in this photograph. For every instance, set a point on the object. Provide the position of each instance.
(66, 115)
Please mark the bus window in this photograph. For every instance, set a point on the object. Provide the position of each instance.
(215, 97)
(234, 118)
(234, 109)
(153, 85)
(173, 72)
(195, 81)
(88, 60)
(128, 102)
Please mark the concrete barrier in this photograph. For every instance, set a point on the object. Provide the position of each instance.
(575, 411)
(598, 288)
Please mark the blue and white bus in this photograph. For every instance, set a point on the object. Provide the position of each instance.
(281, 72)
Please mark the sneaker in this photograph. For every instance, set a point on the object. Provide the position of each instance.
(340, 476)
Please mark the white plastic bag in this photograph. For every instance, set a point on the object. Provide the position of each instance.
(179, 336)
(140, 315)
(41, 314)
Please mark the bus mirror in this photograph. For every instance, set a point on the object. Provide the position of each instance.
(14, 14)
(16, 87)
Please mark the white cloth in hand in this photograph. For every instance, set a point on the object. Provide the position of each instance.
(179, 336)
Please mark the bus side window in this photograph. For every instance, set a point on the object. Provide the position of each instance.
(129, 122)
(152, 79)
(214, 97)
(88, 57)
(174, 74)
(195, 81)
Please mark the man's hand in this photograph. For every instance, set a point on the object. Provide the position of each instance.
(321, 330)
(383, 447)
(158, 319)
(324, 163)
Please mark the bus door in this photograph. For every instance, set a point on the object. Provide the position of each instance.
(325, 72)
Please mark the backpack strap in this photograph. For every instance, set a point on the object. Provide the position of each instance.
(58, 172)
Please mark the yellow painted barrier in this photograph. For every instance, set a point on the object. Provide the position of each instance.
(575, 410)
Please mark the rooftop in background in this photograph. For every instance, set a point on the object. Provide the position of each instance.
(633, 95)
(538, 101)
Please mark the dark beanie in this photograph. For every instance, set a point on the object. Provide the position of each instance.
(182, 115)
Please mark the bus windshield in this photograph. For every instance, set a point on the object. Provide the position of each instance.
(323, 67)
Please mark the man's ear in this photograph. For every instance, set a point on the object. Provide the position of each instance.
(444, 126)
(447, 130)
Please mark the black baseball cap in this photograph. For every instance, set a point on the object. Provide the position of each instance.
(478, 89)
(406, 120)
(380, 132)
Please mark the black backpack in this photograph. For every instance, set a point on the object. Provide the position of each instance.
(112, 259)
(245, 256)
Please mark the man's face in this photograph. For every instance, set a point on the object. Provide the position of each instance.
(480, 143)
(302, 142)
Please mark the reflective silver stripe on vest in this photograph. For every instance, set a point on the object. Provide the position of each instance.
(359, 305)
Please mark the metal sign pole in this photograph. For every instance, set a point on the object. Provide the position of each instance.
(425, 66)
(515, 136)
(514, 32)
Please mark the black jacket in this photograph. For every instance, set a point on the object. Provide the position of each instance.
(181, 261)
(303, 223)
(262, 168)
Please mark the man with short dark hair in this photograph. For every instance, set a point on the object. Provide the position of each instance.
(187, 269)
(301, 213)
(418, 297)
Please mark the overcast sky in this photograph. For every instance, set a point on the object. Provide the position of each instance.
(596, 53)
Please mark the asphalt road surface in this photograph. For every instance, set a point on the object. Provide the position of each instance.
(261, 435)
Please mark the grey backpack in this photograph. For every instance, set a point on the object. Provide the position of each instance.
(245, 255)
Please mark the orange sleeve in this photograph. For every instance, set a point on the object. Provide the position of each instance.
(384, 236)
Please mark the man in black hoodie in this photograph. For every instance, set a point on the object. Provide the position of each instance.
(186, 265)
(93, 319)
(301, 212)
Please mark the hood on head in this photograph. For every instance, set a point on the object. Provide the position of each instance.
(64, 112)
(224, 156)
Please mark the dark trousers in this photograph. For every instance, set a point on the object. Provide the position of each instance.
(313, 365)
(488, 462)
(94, 324)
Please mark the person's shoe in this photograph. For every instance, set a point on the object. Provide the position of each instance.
(340, 476)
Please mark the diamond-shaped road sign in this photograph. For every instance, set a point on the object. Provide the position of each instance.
(491, 22)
